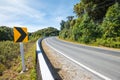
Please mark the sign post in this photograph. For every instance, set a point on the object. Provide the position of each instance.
(22, 56)
(21, 35)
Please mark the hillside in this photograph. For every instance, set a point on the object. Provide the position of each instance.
(97, 23)
(46, 32)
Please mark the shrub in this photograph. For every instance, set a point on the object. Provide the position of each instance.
(2, 68)
(8, 52)
(111, 23)
(111, 27)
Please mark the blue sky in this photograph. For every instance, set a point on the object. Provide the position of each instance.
(35, 14)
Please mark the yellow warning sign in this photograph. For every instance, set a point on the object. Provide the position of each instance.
(20, 34)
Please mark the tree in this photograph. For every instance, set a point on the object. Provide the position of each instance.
(62, 25)
(79, 9)
(89, 30)
(97, 22)
(70, 18)
(6, 33)
(50, 31)
(96, 9)
(111, 23)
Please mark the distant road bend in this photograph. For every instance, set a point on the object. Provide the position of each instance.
(103, 63)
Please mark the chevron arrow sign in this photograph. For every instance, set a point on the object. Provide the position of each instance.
(20, 34)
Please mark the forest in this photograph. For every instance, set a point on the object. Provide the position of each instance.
(46, 32)
(97, 22)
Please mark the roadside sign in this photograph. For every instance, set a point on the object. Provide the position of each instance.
(20, 34)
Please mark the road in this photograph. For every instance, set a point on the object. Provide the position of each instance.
(103, 63)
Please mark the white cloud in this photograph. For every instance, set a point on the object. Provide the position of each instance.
(19, 8)
(14, 11)
(34, 14)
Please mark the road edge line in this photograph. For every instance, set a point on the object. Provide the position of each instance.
(89, 69)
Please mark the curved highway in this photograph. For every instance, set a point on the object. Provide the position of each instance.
(103, 63)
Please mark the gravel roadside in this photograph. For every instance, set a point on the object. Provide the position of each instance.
(67, 69)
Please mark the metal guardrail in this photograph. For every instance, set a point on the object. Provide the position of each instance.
(43, 70)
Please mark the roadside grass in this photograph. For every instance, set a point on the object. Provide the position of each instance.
(95, 44)
(13, 72)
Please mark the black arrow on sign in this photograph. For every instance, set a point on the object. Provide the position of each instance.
(23, 34)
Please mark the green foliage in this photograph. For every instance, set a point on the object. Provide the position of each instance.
(70, 18)
(89, 30)
(98, 23)
(108, 42)
(50, 31)
(6, 33)
(76, 30)
(67, 24)
(96, 9)
(19, 68)
(111, 27)
(33, 74)
(79, 9)
(63, 34)
(62, 25)
(8, 52)
(2, 68)
(13, 73)
(111, 23)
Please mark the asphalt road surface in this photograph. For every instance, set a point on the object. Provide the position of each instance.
(105, 63)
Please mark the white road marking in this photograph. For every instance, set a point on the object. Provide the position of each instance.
(89, 69)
